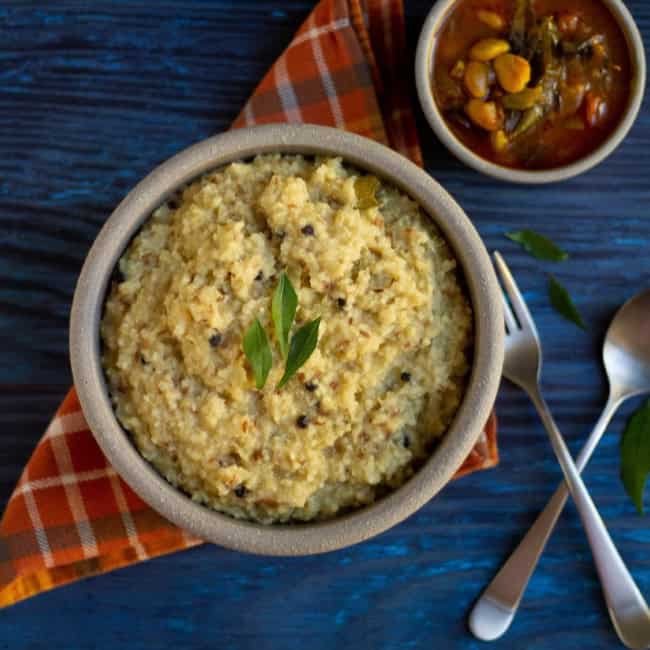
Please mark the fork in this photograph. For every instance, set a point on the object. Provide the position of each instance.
(523, 363)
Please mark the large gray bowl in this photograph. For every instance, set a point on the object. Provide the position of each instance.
(423, 71)
(122, 225)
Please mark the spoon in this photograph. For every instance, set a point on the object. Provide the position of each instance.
(626, 355)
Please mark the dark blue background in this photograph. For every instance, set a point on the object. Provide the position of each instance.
(92, 96)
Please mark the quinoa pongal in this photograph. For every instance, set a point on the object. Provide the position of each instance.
(382, 385)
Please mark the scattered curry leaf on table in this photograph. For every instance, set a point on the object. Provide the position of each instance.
(258, 352)
(635, 455)
(563, 303)
(283, 311)
(303, 343)
(538, 245)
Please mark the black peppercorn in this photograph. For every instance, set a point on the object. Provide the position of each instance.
(215, 340)
(260, 276)
(240, 490)
(406, 441)
(310, 386)
(405, 376)
(341, 302)
(302, 421)
(307, 230)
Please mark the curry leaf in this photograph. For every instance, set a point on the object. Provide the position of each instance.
(635, 454)
(518, 25)
(538, 245)
(258, 352)
(365, 187)
(563, 304)
(303, 343)
(283, 311)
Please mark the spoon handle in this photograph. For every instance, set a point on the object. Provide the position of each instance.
(494, 611)
(627, 608)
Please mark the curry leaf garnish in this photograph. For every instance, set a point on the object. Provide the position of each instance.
(303, 343)
(258, 352)
(538, 246)
(283, 311)
(562, 302)
(635, 455)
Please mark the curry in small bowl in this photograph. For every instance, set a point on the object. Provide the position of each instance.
(530, 85)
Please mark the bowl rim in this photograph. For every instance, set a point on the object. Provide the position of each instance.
(423, 61)
(137, 206)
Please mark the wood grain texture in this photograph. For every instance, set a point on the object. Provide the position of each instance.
(92, 96)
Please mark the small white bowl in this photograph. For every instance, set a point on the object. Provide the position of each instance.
(423, 74)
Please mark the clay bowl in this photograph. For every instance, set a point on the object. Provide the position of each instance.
(294, 539)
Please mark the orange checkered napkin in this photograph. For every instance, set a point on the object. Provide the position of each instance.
(71, 515)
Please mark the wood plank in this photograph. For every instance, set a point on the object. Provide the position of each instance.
(93, 96)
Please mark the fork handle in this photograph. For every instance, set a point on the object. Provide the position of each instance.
(627, 608)
(494, 611)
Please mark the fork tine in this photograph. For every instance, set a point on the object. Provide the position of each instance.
(511, 323)
(516, 300)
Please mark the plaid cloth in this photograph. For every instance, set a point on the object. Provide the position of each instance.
(71, 515)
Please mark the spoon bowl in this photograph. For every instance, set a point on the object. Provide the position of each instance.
(626, 353)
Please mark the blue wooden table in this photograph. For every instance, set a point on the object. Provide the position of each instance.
(95, 94)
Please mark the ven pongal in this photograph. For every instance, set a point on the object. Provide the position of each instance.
(381, 386)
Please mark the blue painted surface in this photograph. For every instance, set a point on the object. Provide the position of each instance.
(92, 96)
